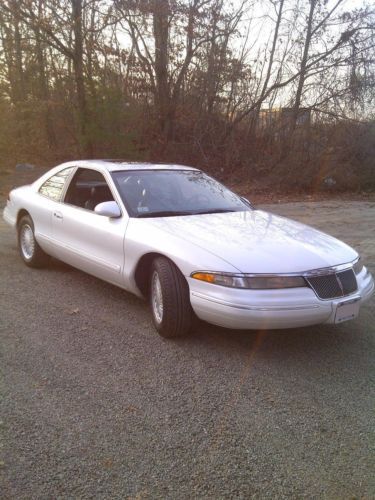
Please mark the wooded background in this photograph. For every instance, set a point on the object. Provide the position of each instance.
(275, 93)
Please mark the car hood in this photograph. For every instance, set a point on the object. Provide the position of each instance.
(257, 241)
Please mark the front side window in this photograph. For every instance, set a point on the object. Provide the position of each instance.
(165, 193)
(52, 188)
(87, 189)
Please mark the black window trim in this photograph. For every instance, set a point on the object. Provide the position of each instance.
(67, 183)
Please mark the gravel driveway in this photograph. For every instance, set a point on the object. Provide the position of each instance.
(96, 405)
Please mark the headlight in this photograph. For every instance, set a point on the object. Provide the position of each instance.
(251, 282)
(358, 266)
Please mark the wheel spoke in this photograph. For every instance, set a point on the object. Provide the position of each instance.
(27, 241)
(157, 297)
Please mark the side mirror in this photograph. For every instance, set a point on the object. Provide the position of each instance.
(108, 209)
(247, 202)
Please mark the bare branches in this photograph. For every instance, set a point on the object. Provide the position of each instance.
(202, 71)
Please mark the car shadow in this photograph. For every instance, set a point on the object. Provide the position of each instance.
(315, 344)
(309, 343)
(59, 266)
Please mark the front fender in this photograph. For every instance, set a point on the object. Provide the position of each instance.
(143, 238)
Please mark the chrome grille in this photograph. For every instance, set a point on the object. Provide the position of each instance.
(348, 281)
(331, 286)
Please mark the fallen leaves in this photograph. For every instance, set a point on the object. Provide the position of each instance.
(76, 310)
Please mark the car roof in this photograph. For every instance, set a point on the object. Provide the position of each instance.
(117, 165)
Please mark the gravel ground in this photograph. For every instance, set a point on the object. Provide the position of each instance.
(96, 405)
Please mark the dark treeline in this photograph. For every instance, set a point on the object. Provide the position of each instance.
(273, 92)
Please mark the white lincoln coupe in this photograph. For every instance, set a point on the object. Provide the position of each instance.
(173, 235)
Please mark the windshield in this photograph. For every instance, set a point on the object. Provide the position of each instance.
(166, 193)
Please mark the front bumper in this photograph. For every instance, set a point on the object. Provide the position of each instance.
(269, 309)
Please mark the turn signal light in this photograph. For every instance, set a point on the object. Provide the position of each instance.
(204, 277)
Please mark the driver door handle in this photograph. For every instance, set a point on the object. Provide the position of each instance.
(58, 215)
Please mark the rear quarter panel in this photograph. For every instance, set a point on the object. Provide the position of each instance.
(27, 199)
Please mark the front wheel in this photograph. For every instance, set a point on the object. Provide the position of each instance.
(169, 299)
(31, 253)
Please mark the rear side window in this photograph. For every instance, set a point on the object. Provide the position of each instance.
(53, 187)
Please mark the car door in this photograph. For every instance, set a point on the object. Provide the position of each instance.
(86, 240)
(43, 203)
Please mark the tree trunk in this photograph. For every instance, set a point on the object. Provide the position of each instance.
(161, 10)
(83, 115)
(21, 88)
(44, 93)
(302, 77)
(255, 117)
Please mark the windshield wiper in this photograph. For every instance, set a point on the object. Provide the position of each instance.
(216, 211)
(163, 213)
(173, 213)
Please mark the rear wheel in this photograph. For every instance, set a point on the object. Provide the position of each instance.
(169, 299)
(31, 253)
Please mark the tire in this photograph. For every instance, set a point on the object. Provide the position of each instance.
(30, 251)
(171, 310)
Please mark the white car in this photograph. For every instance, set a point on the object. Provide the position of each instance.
(176, 236)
